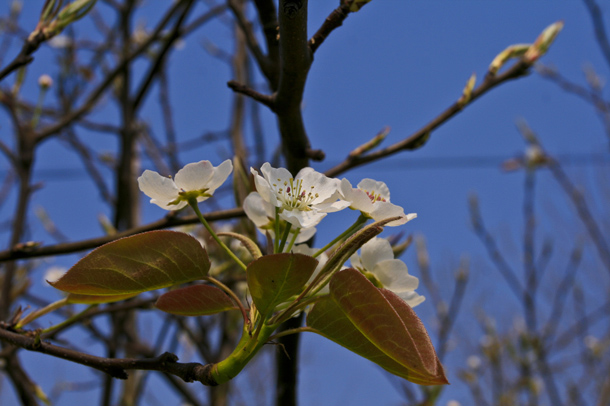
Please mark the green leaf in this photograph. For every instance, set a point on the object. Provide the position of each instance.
(378, 325)
(273, 279)
(195, 300)
(136, 264)
(75, 298)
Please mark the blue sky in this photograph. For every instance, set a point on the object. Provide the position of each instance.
(396, 63)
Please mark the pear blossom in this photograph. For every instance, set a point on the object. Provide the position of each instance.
(372, 198)
(303, 200)
(262, 214)
(376, 261)
(196, 180)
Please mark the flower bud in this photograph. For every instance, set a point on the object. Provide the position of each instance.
(467, 92)
(45, 82)
(512, 51)
(356, 5)
(543, 42)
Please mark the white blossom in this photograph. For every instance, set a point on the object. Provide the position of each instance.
(376, 261)
(372, 198)
(262, 214)
(304, 200)
(196, 180)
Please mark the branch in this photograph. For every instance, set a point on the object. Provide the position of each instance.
(267, 100)
(420, 137)
(598, 26)
(109, 79)
(25, 56)
(115, 367)
(267, 15)
(296, 59)
(246, 28)
(26, 250)
(334, 20)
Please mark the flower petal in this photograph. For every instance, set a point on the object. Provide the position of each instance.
(377, 187)
(358, 199)
(302, 219)
(324, 186)
(374, 251)
(264, 188)
(412, 298)
(384, 210)
(305, 234)
(256, 209)
(221, 173)
(395, 276)
(194, 176)
(160, 189)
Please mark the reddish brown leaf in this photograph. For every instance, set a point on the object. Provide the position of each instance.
(378, 325)
(195, 300)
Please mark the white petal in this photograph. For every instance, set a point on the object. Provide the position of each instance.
(324, 187)
(221, 173)
(377, 187)
(302, 219)
(374, 251)
(255, 208)
(394, 275)
(264, 188)
(275, 176)
(160, 189)
(361, 201)
(305, 234)
(194, 176)
(333, 203)
(412, 298)
(384, 210)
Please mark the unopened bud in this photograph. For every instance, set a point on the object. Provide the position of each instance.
(45, 82)
(513, 51)
(467, 92)
(69, 14)
(369, 145)
(356, 5)
(535, 156)
(543, 42)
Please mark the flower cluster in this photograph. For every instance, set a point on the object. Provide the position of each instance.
(291, 207)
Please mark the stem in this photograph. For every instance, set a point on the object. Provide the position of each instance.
(41, 312)
(38, 109)
(285, 237)
(294, 238)
(292, 331)
(352, 229)
(67, 321)
(277, 231)
(247, 348)
(193, 204)
(297, 304)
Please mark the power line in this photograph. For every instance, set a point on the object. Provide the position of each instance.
(409, 163)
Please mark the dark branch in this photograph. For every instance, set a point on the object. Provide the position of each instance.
(420, 137)
(115, 367)
(334, 20)
(267, 100)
